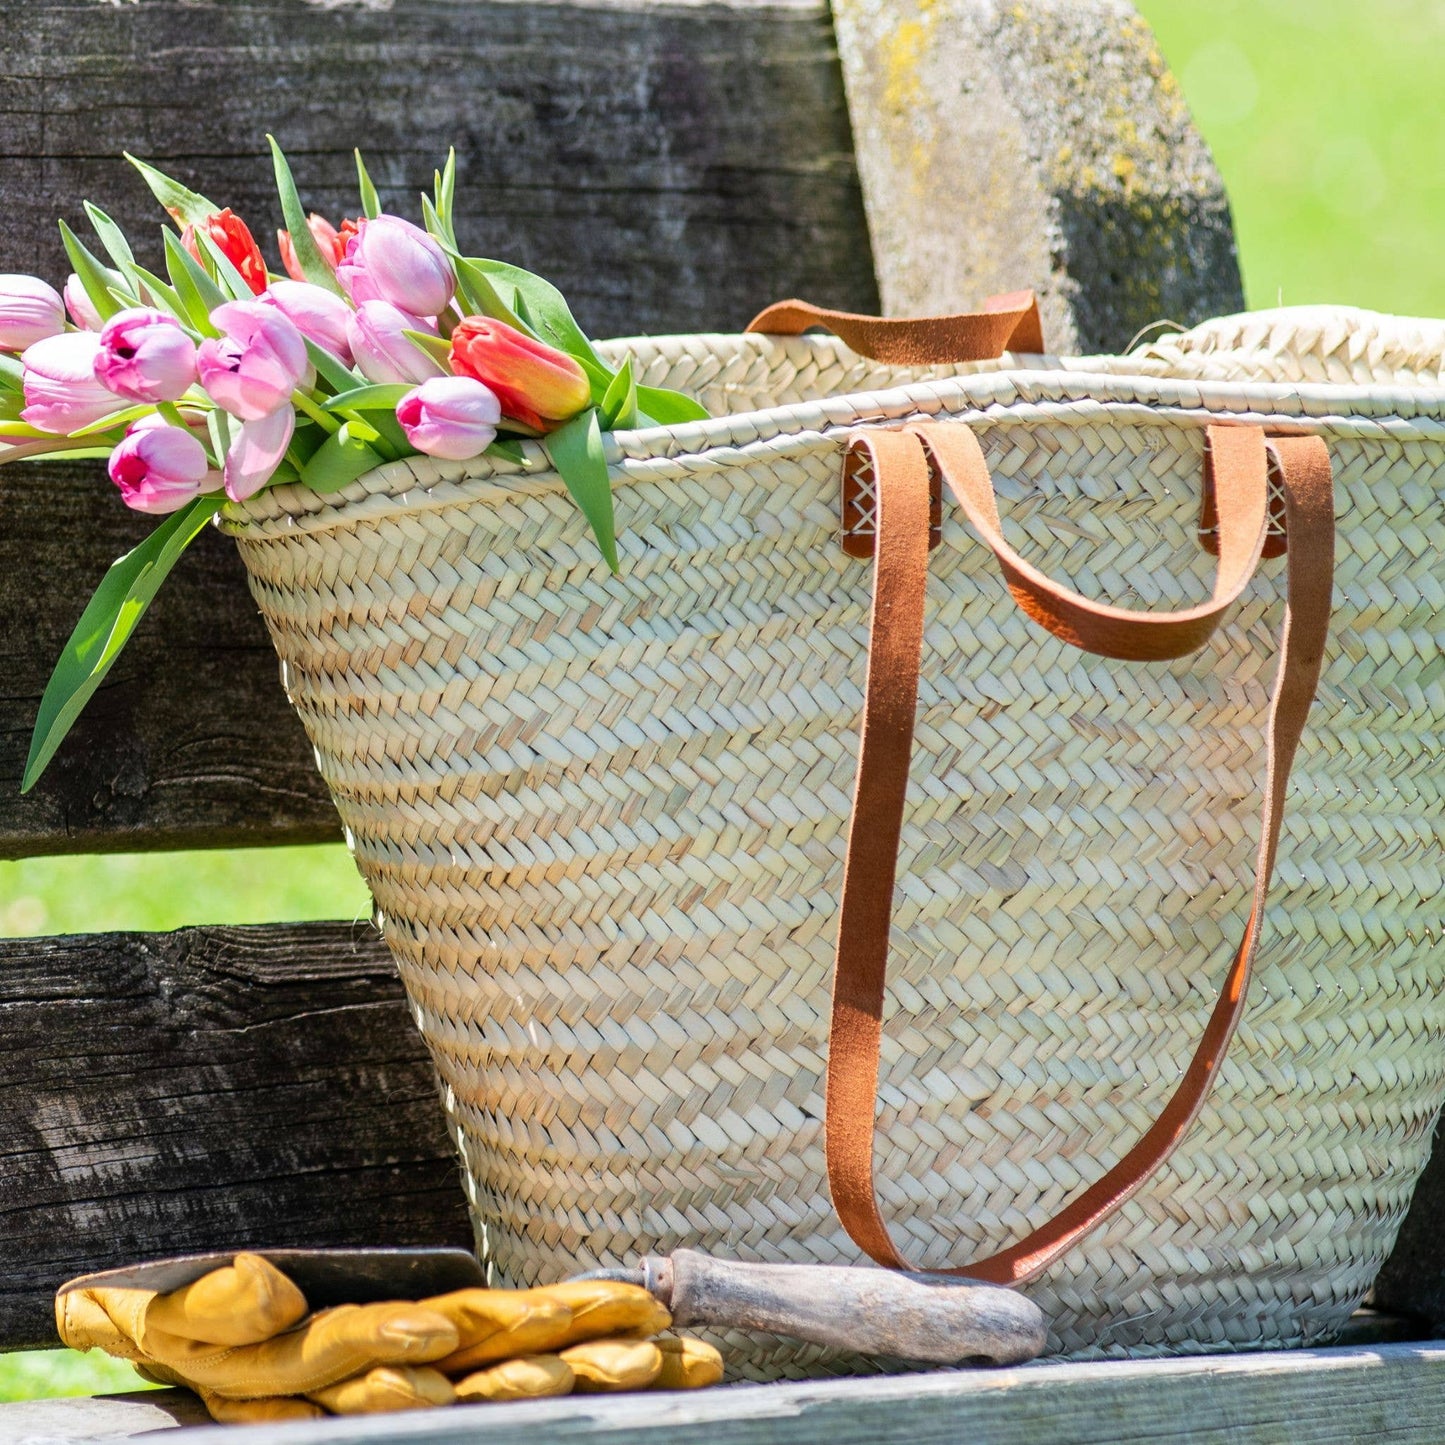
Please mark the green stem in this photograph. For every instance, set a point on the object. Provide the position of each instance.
(172, 414)
(302, 402)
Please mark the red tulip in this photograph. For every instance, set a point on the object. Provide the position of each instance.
(535, 383)
(234, 240)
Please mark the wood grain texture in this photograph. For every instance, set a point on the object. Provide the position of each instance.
(672, 167)
(1393, 1393)
(168, 1093)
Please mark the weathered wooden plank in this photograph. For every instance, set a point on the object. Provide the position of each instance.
(1393, 1393)
(672, 167)
(166, 1093)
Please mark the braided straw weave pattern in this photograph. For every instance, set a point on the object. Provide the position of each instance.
(603, 822)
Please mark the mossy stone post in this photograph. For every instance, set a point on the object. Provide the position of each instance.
(1041, 144)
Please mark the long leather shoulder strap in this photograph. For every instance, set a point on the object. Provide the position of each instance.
(1302, 465)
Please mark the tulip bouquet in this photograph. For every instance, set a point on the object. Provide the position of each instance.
(381, 341)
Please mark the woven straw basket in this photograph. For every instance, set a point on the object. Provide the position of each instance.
(604, 821)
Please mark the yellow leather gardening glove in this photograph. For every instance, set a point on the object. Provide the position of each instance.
(331, 1346)
(687, 1364)
(239, 1337)
(246, 1302)
(501, 1324)
(386, 1388)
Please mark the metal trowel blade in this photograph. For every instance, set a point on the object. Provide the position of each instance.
(325, 1276)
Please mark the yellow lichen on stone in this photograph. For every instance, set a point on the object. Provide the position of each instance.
(903, 51)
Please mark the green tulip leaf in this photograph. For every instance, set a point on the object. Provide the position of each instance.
(575, 449)
(159, 294)
(670, 408)
(619, 401)
(198, 294)
(370, 201)
(384, 396)
(340, 459)
(228, 278)
(332, 369)
(95, 279)
(308, 257)
(106, 626)
(184, 205)
(546, 306)
(509, 450)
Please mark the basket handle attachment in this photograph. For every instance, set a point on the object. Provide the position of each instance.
(1239, 462)
(1006, 323)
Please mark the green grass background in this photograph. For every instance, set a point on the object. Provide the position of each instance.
(1325, 120)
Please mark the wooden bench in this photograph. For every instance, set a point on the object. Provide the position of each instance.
(673, 168)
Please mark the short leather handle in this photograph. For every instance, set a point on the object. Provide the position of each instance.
(1236, 472)
(901, 460)
(1006, 323)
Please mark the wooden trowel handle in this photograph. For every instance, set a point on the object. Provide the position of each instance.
(874, 1311)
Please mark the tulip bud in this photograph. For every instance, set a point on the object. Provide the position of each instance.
(160, 469)
(256, 452)
(330, 242)
(390, 259)
(234, 240)
(254, 367)
(61, 392)
(30, 310)
(81, 307)
(318, 314)
(453, 417)
(536, 384)
(377, 332)
(145, 356)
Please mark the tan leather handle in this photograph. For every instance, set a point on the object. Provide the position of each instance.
(1006, 323)
(901, 461)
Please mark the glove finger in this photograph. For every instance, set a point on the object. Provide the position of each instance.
(333, 1345)
(603, 1309)
(225, 1411)
(386, 1388)
(532, 1377)
(84, 1323)
(687, 1364)
(518, 1326)
(242, 1303)
(604, 1365)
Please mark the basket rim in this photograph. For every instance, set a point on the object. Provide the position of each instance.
(1015, 396)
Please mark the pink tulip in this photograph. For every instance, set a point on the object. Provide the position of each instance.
(81, 307)
(450, 416)
(316, 313)
(145, 356)
(30, 310)
(256, 451)
(61, 392)
(160, 469)
(383, 351)
(253, 368)
(389, 259)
